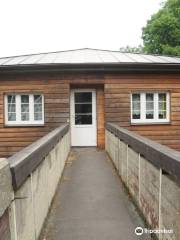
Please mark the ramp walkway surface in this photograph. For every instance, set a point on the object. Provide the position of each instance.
(91, 202)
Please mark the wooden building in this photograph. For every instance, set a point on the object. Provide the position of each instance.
(87, 88)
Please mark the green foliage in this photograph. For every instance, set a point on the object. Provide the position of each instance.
(162, 32)
(129, 49)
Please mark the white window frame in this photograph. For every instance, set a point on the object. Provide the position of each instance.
(156, 109)
(19, 122)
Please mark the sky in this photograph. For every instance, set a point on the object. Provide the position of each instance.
(34, 26)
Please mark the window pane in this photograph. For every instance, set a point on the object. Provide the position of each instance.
(149, 105)
(149, 114)
(83, 119)
(37, 98)
(11, 99)
(136, 115)
(136, 97)
(162, 97)
(25, 116)
(162, 106)
(162, 114)
(24, 108)
(11, 116)
(11, 107)
(149, 97)
(82, 97)
(24, 98)
(83, 108)
(38, 108)
(37, 116)
(136, 106)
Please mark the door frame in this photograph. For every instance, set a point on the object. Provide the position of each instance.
(94, 110)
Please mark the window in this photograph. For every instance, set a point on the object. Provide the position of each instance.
(24, 109)
(83, 108)
(150, 107)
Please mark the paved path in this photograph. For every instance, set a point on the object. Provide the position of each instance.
(90, 203)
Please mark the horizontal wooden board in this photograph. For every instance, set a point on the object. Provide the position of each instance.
(113, 105)
(118, 91)
(56, 94)
(100, 118)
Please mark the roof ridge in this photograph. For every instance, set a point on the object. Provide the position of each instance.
(32, 54)
(96, 49)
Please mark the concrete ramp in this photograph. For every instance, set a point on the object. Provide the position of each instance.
(91, 203)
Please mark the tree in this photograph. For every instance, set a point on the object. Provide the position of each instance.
(129, 49)
(161, 35)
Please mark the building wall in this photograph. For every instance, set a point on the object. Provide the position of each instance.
(100, 118)
(113, 104)
(56, 90)
(118, 90)
(56, 95)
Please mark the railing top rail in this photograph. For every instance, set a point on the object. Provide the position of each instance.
(159, 155)
(26, 161)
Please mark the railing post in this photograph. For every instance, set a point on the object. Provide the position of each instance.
(127, 162)
(119, 157)
(139, 178)
(12, 218)
(33, 205)
(160, 200)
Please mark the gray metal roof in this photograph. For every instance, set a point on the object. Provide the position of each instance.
(86, 56)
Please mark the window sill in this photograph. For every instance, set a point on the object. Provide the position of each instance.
(24, 125)
(151, 123)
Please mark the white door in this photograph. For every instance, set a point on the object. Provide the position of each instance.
(83, 117)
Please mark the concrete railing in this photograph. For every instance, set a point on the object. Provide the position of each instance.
(151, 173)
(6, 197)
(28, 181)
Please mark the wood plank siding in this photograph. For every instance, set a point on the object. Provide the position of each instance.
(117, 104)
(113, 104)
(100, 118)
(56, 90)
(56, 97)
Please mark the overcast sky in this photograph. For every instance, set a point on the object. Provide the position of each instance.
(32, 26)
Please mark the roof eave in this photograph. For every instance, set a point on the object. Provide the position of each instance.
(94, 67)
